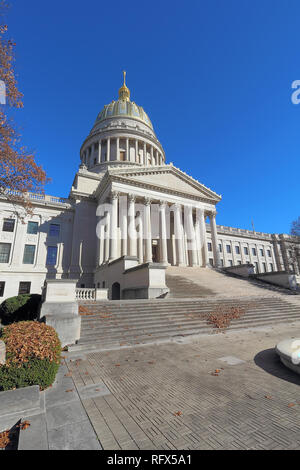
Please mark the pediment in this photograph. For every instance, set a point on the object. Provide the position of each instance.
(168, 179)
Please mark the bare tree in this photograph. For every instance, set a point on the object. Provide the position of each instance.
(295, 228)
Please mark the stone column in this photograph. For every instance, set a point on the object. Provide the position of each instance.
(145, 155)
(114, 225)
(123, 223)
(131, 225)
(198, 241)
(137, 151)
(156, 157)
(99, 151)
(214, 239)
(203, 238)
(118, 148)
(147, 232)
(163, 233)
(108, 150)
(107, 238)
(140, 238)
(151, 155)
(178, 235)
(127, 150)
(191, 236)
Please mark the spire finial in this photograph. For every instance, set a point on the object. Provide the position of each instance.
(124, 93)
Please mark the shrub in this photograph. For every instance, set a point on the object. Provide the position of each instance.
(20, 308)
(32, 355)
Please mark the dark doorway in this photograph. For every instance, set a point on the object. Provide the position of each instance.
(155, 254)
(115, 291)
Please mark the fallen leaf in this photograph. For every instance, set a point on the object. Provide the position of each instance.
(178, 413)
(268, 396)
(291, 404)
(24, 425)
(70, 390)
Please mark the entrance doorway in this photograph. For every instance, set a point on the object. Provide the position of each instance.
(155, 252)
(115, 291)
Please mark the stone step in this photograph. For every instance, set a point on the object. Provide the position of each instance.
(137, 316)
(184, 329)
(162, 308)
(123, 320)
(106, 345)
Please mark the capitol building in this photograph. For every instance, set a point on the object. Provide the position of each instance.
(130, 214)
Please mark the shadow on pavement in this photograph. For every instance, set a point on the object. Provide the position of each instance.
(269, 361)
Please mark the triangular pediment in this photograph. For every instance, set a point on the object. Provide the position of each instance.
(165, 178)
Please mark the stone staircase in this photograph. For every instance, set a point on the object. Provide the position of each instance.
(117, 324)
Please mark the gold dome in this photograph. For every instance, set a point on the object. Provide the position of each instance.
(123, 107)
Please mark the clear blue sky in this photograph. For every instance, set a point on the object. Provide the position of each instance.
(214, 76)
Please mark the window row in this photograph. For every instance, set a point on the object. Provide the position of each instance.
(238, 251)
(24, 288)
(32, 227)
(28, 254)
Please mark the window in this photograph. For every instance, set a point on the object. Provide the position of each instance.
(4, 252)
(211, 261)
(222, 262)
(29, 252)
(54, 230)
(264, 267)
(237, 250)
(32, 228)
(256, 267)
(24, 288)
(2, 286)
(261, 252)
(246, 250)
(220, 248)
(254, 251)
(228, 248)
(239, 263)
(271, 267)
(95, 161)
(51, 256)
(269, 253)
(8, 225)
(230, 262)
(209, 246)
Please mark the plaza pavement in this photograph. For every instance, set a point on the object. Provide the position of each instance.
(166, 396)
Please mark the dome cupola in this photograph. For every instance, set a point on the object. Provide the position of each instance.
(124, 93)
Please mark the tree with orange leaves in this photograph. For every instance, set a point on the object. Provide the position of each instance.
(19, 173)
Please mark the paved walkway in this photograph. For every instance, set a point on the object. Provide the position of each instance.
(165, 397)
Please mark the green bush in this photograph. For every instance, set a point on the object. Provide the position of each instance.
(20, 308)
(32, 355)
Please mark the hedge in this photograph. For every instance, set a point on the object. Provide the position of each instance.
(33, 354)
(19, 308)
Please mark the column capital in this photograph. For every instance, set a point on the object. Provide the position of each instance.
(162, 204)
(147, 201)
(131, 197)
(114, 195)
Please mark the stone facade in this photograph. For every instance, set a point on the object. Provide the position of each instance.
(126, 201)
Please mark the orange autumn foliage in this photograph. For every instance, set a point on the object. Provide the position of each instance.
(19, 173)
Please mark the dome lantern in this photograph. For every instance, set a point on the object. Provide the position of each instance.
(124, 93)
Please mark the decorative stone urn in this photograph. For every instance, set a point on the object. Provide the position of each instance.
(289, 353)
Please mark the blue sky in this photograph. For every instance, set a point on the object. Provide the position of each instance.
(214, 76)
